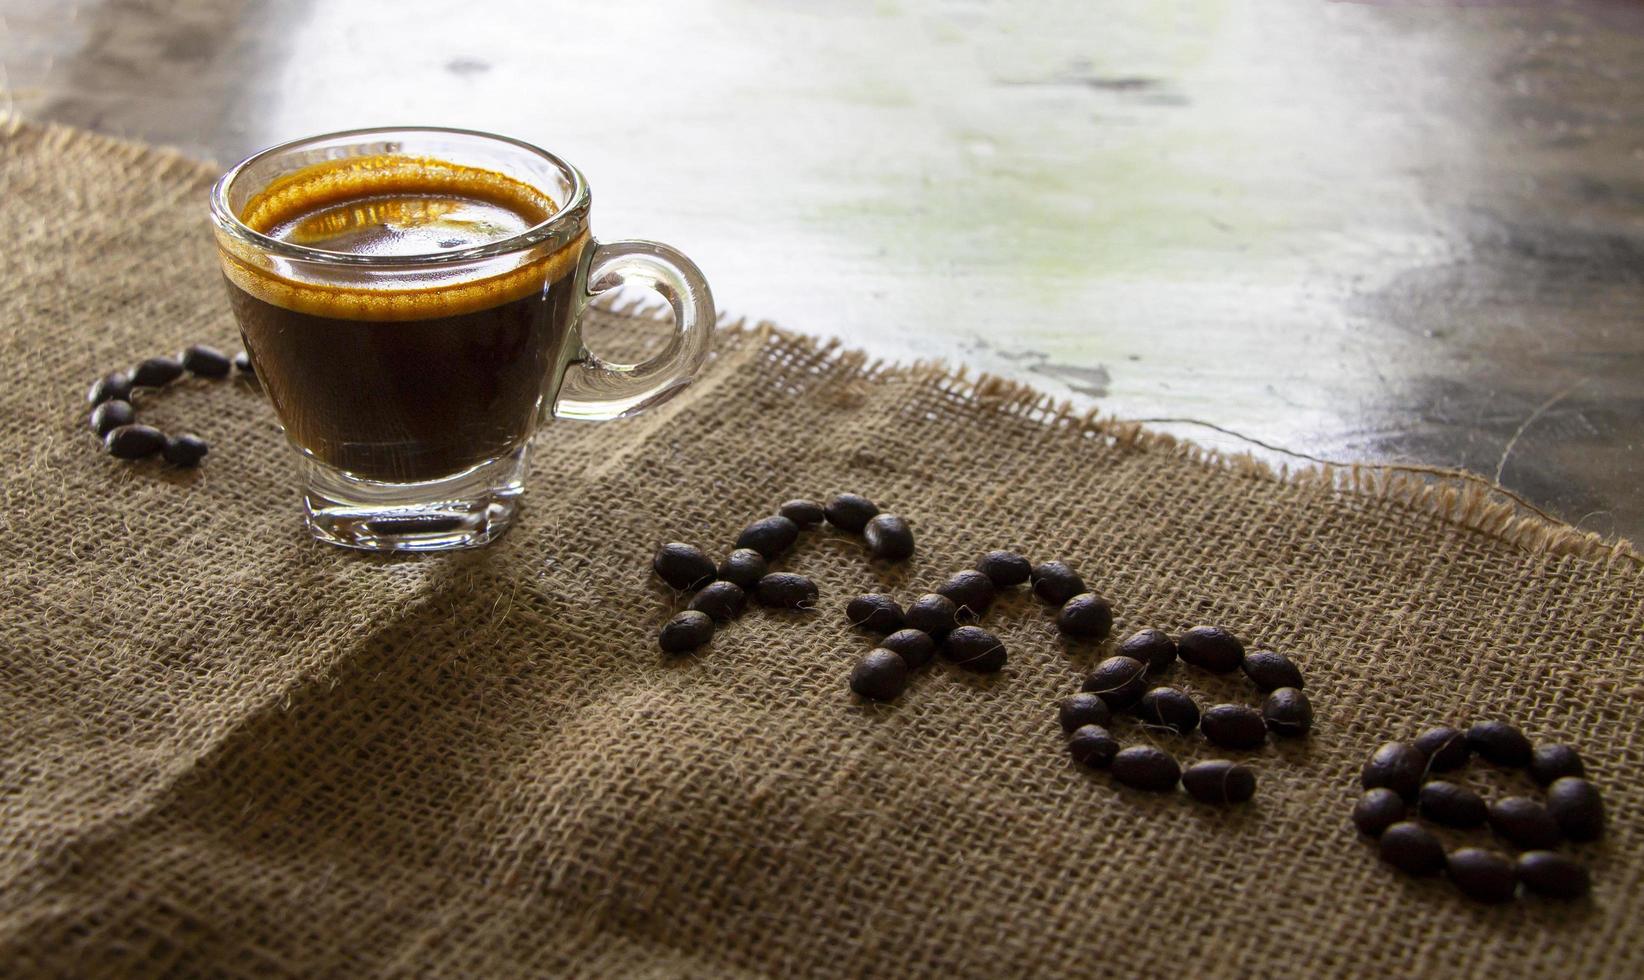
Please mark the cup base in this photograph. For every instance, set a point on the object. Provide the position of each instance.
(467, 510)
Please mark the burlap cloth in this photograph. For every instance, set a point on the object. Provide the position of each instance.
(230, 751)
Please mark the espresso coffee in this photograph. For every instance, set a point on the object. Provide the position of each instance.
(400, 379)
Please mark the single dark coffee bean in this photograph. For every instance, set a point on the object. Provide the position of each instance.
(1451, 805)
(882, 675)
(1146, 767)
(743, 567)
(156, 372)
(1152, 647)
(1577, 807)
(971, 592)
(1211, 648)
(973, 648)
(134, 441)
(874, 612)
(1524, 823)
(1091, 745)
(1120, 681)
(683, 566)
(720, 600)
(785, 590)
(770, 536)
(111, 415)
(1377, 810)
(1166, 707)
(206, 362)
(1553, 875)
(933, 614)
(1271, 671)
(686, 631)
(805, 513)
(1219, 782)
(1234, 726)
(185, 450)
(1004, 568)
(1412, 848)
(850, 512)
(110, 387)
(1055, 583)
(1500, 743)
(914, 646)
(1088, 616)
(1083, 709)
(1551, 762)
(1481, 875)
(242, 364)
(1287, 712)
(889, 538)
(1446, 748)
(1398, 766)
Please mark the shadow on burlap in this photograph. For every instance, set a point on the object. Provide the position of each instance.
(228, 751)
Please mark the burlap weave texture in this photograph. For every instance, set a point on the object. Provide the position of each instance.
(228, 751)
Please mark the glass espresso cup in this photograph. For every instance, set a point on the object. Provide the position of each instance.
(412, 301)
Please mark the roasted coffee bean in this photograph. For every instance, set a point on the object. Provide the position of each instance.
(1398, 766)
(720, 600)
(1481, 875)
(743, 567)
(133, 441)
(915, 647)
(1152, 647)
(206, 362)
(1271, 671)
(1577, 807)
(1553, 875)
(1451, 805)
(1146, 767)
(874, 612)
(882, 675)
(1234, 726)
(1550, 762)
(1500, 743)
(110, 387)
(973, 648)
(805, 513)
(110, 415)
(1377, 810)
(1446, 748)
(1287, 712)
(1004, 568)
(1219, 781)
(686, 631)
(242, 364)
(889, 538)
(1524, 823)
(933, 614)
(971, 592)
(849, 512)
(785, 590)
(156, 372)
(1166, 707)
(1091, 745)
(1412, 848)
(185, 450)
(1083, 709)
(1055, 583)
(1120, 681)
(770, 536)
(1211, 648)
(683, 566)
(1088, 616)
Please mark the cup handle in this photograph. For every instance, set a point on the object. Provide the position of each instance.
(597, 390)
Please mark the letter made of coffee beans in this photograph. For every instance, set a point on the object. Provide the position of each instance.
(114, 416)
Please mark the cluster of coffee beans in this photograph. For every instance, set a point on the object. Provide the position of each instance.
(1121, 683)
(1399, 773)
(115, 420)
(722, 590)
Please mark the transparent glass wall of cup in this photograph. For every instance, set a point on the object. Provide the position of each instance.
(405, 448)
